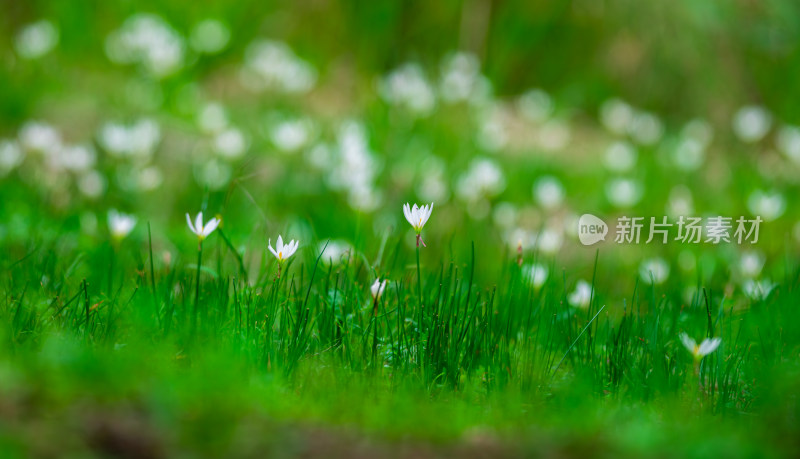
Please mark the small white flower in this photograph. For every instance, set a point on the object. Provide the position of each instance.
(582, 294)
(757, 289)
(283, 251)
(377, 288)
(202, 231)
(537, 274)
(417, 216)
(119, 224)
(751, 263)
(699, 351)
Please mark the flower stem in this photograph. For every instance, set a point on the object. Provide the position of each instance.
(419, 319)
(197, 285)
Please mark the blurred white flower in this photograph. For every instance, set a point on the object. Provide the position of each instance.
(788, 141)
(706, 347)
(549, 192)
(433, 185)
(377, 288)
(202, 231)
(283, 251)
(408, 87)
(230, 143)
(757, 289)
(554, 135)
(139, 139)
(620, 156)
(291, 135)
(698, 130)
(548, 241)
(484, 178)
(209, 36)
(37, 39)
(461, 80)
(622, 192)
(354, 168)
(689, 154)
(74, 158)
(751, 123)
(213, 173)
(212, 118)
(646, 128)
(40, 137)
(654, 270)
(582, 295)
(147, 40)
(536, 274)
(492, 134)
(535, 105)
(272, 65)
(680, 202)
(504, 215)
(11, 156)
(120, 224)
(616, 115)
(751, 263)
(334, 252)
(768, 205)
(92, 184)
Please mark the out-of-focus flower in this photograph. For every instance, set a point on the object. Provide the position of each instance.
(535, 105)
(36, 40)
(554, 135)
(767, 205)
(654, 270)
(272, 65)
(334, 252)
(751, 123)
(408, 88)
(292, 135)
(147, 40)
(40, 137)
(699, 351)
(212, 118)
(620, 157)
(582, 295)
(689, 154)
(680, 202)
(202, 231)
(623, 192)
(616, 115)
(536, 274)
(461, 80)
(698, 130)
(11, 156)
(139, 139)
(484, 178)
(230, 143)
(549, 192)
(75, 158)
(354, 168)
(377, 288)
(92, 184)
(645, 128)
(757, 289)
(549, 240)
(120, 224)
(788, 141)
(209, 36)
(283, 251)
(751, 263)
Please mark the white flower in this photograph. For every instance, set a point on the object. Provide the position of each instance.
(119, 224)
(417, 216)
(751, 123)
(377, 288)
(582, 295)
(202, 231)
(283, 252)
(549, 192)
(757, 289)
(768, 205)
(706, 347)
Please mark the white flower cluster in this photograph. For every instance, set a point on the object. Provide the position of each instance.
(272, 65)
